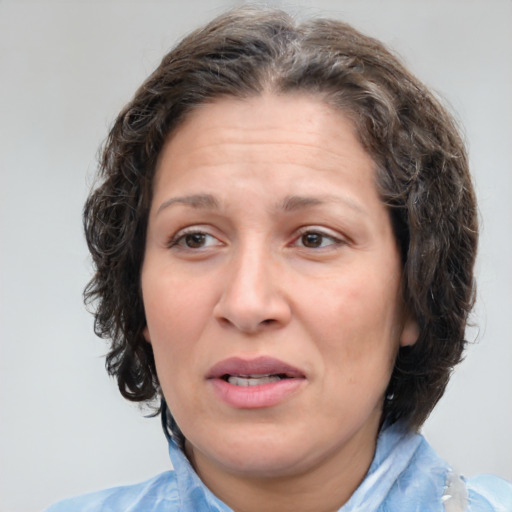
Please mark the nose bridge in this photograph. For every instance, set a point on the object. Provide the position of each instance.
(251, 296)
(251, 268)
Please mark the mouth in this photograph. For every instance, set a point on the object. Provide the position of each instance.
(254, 380)
(255, 383)
(253, 372)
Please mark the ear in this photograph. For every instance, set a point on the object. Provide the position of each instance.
(410, 331)
(145, 333)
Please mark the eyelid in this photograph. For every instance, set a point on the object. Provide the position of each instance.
(335, 236)
(174, 240)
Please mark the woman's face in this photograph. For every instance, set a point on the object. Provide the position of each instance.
(271, 285)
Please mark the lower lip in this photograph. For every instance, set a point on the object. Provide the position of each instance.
(255, 397)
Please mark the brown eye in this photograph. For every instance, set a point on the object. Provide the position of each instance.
(312, 240)
(194, 240)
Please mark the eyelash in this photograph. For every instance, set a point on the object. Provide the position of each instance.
(177, 241)
(335, 241)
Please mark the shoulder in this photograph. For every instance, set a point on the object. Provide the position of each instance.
(489, 493)
(157, 494)
(418, 479)
(481, 493)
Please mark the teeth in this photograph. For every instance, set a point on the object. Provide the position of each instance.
(252, 380)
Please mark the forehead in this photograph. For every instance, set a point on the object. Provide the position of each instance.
(268, 112)
(268, 130)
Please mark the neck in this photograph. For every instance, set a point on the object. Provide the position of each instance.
(324, 487)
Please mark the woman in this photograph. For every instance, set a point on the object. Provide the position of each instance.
(284, 240)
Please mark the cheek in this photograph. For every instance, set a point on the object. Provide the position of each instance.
(355, 326)
(172, 303)
(169, 315)
(178, 310)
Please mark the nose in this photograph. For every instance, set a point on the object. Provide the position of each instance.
(252, 299)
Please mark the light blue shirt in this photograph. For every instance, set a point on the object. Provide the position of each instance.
(406, 475)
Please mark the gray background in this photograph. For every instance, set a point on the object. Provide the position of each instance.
(67, 67)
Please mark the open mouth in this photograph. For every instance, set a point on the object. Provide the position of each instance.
(254, 380)
(253, 372)
(255, 383)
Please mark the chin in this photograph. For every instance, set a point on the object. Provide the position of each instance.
(256, 452)
(259, 462)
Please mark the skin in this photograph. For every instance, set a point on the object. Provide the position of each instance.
(295, 259)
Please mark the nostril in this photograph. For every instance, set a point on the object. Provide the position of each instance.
(225, 321)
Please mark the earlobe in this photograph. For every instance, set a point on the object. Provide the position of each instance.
(145, 333)
(410, 332)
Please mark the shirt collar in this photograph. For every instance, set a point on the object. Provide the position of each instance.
(193, 494)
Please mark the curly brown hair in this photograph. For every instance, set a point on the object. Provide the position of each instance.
(422, 176)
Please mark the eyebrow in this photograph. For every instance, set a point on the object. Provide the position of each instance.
(195, 201)
(293, 203)
(289, 203)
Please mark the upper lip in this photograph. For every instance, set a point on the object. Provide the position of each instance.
(263, 365)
